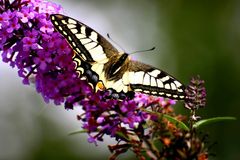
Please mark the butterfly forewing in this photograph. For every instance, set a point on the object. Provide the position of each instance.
(147, 79)
(87, 43)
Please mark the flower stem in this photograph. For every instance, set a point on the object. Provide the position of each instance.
(152, 148)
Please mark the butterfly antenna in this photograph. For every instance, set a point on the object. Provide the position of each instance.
(108, 35)
(146, 50)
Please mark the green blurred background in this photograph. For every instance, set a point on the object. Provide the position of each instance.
(191, 38)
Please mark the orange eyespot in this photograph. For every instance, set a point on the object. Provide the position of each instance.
(100, 86)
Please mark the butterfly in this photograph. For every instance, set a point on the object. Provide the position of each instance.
(106, 68)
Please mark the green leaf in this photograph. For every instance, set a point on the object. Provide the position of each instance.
(205, 122)
(176, 122)
(77, 132)
(120, 134)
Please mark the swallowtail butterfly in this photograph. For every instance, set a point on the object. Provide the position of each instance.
(106, 68)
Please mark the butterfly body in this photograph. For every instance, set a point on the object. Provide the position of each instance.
(106, 68)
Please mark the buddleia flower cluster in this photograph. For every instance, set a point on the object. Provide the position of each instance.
(42, 56)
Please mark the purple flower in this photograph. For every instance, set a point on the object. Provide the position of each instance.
(4, 35)
(42, 59)
(92, 140)
(46, 26)
(4, 20)
(13, 25)
(63, 47)
(25, 14)
(29, 43)
(6, 55)
(196, 94)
